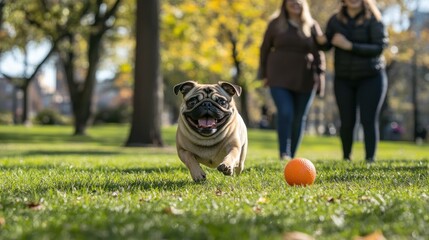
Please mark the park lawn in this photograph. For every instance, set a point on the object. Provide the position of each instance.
(57, 186)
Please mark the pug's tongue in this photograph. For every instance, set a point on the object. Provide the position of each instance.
(206, 122)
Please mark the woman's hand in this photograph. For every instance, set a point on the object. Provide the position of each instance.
(319, 84)
(341, 42)
(265, 82)
(320, 37)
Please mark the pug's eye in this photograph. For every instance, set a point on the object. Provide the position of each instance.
(191, 102)
(222, 102)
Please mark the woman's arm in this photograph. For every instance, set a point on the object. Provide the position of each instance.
(320, 66)
(324, 40)
(319, 63)
(318, 35)
(340, 41)
(379, 41)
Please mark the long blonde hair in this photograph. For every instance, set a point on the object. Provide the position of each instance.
(370, 9)
(307, 21)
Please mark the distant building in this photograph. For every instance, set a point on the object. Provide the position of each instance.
(106, 95)
(37, 96)
(6, 92)
(419, 21)
(61, 96)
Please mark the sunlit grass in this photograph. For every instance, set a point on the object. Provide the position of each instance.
(56, 186)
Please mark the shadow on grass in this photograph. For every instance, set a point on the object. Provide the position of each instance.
(58, 138)
(151, 178)
(81, 152)
(93, 170)
(94, 151)
(399, 171)
(42, 137)
(50, 153)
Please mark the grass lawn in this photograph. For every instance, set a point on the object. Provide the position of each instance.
(56, 186)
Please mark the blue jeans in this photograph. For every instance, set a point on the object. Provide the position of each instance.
(292, 110)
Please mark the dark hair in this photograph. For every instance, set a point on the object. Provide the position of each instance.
(369, 7)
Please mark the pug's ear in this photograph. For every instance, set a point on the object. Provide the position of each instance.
(184, 87)
(230, 88)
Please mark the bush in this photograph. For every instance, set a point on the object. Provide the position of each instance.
(6, 119)
(120, 114)
(49, 117)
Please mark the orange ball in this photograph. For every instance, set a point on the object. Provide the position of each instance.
(300, 171)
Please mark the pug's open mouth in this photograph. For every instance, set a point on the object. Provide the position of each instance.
(207, 125)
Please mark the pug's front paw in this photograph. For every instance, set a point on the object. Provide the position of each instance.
(225, 169)
(199, 176)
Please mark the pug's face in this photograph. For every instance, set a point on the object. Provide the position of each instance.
(206, 108)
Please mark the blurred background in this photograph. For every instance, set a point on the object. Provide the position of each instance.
(72, 62)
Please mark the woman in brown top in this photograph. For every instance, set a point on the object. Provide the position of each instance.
(292, 67)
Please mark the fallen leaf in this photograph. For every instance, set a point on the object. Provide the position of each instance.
(218, 192)
(173, 211)
(377, 235)
(257, 209)
(35, 206)
(2, 221)
(146, 199)
(365, 198)
(338, 219)
(262, 200)
(297, 236)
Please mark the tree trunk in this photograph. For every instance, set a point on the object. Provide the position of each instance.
(236, 78)
(15, 105)
(81, 93)
(81, 115)
(83, 108)
(147, 100)
(244, 106)
(25, 103)
(2, 4)
(414, 93)
(67, 59)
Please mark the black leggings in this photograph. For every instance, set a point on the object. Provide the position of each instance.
(367, 96)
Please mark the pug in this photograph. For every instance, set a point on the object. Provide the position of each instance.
(210, 130)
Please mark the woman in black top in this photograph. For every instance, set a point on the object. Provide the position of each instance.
(359, 37)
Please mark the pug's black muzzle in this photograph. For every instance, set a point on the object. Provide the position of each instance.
(206, 117)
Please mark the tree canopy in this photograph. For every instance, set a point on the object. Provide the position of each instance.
(205, 40)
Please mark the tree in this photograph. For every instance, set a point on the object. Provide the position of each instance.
(2, 4)
(211, 40)
(146, 119)
(21, 37)
(236, 25)
(22, 83)
(76, 31)
(81, 91)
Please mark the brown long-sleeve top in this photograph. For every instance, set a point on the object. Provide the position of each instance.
(289, 59)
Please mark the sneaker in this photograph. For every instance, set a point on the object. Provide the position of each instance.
(370, 160)
(285, 157)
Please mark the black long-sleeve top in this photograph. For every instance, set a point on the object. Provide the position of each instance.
(369, 39)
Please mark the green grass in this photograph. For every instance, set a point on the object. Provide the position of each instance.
(56, 186)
